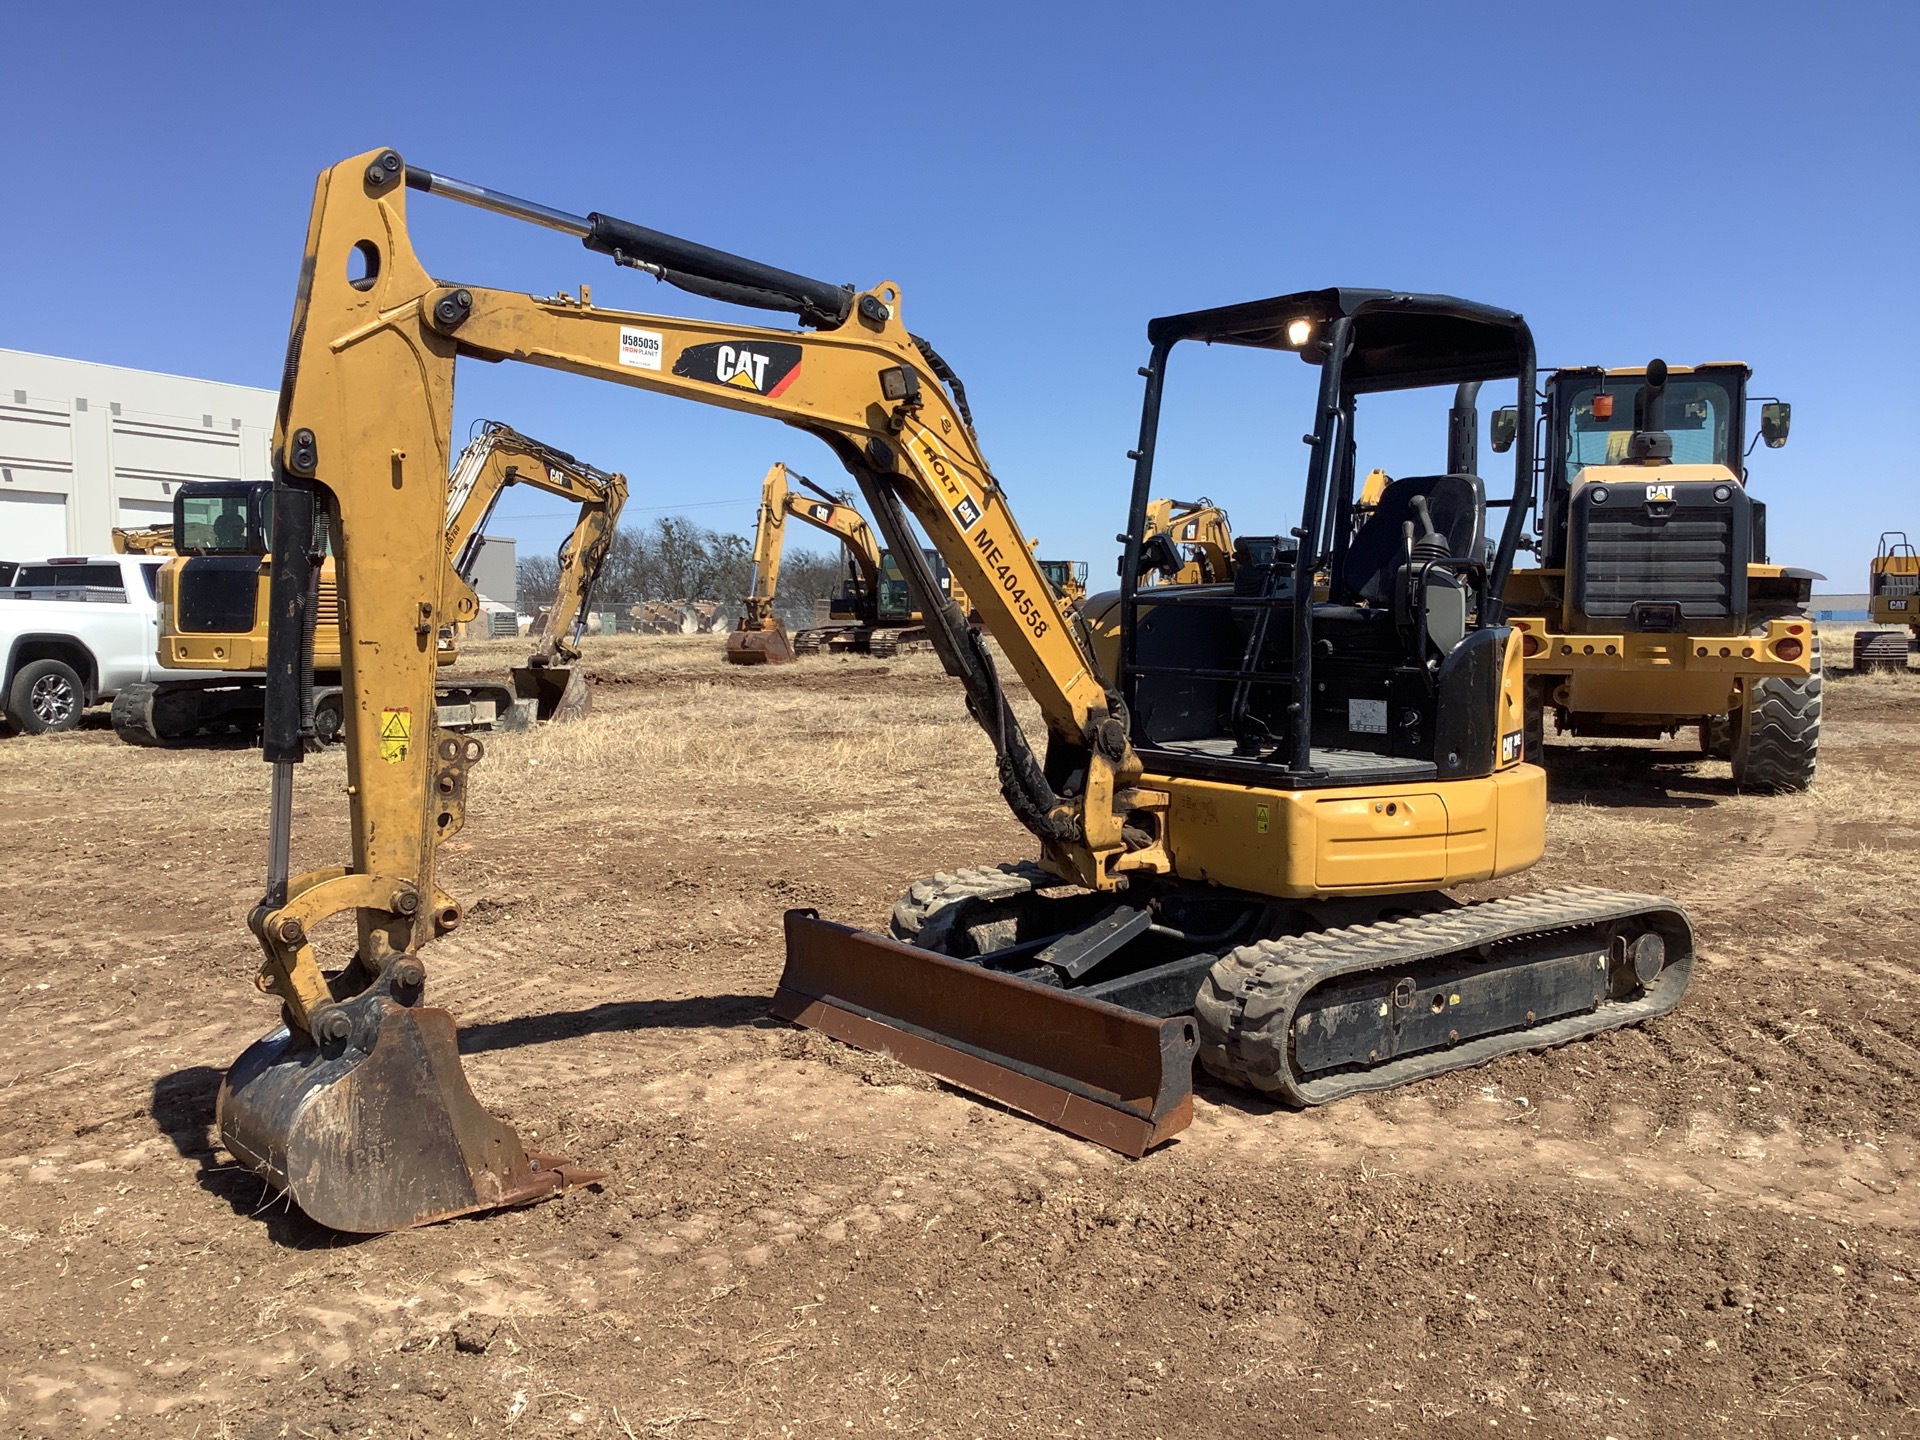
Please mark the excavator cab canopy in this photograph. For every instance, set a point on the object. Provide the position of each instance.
(1395, 341)
(1371, 650)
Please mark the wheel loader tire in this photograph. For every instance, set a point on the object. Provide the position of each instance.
(1716, 737)
(924, 916)
(46, 696)
(1880, 650)
(1780, 734)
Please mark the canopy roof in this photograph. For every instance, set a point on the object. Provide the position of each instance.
(1400, 341)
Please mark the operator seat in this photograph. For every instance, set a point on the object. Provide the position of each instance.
(1458, 505)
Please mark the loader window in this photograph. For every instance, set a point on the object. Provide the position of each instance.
(226, 519)
(1700, 418)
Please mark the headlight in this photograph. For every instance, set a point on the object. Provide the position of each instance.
(1597, 495)
(1299, 332)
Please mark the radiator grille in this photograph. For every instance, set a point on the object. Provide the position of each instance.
(326, 610)
(1685, 558)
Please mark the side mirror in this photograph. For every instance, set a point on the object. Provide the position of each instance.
(1776, 419)
(1506, 425)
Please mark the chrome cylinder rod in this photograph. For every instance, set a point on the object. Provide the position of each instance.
(499, 202)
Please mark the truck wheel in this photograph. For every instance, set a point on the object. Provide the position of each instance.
(1716, 737)
(1779, 736)
(46, 695)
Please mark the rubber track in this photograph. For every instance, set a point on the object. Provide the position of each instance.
(1246, 1006)
(1782, 739)
(917, 915)
(133, 716)
(1880, 650)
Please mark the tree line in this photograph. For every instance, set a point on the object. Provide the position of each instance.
(675, 558)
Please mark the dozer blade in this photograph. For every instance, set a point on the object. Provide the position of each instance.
(379, 1132)
(760, 647)
(1107, 1074)
(558, 692)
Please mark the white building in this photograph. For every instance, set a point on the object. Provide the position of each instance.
(85, 448)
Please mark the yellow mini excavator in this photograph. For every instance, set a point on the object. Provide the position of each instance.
(760, 637)
(214, 602)
(1248, 805)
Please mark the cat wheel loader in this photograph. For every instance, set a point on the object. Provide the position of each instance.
(1653, 607)
(1248, 802)
(1893, 592)
(760, 637)
(214, 601)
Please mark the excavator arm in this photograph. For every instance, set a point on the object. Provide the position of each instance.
(841, 521)
(362, 446)
(760, 638)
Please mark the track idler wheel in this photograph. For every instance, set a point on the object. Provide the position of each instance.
(369, 1125)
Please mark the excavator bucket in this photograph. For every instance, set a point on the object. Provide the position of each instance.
(379, 1131)
(1111, 1075)
(770, 646)
(558, 692)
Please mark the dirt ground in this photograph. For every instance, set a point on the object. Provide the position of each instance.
(1709, 1226)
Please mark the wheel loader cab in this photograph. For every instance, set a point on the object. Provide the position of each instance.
(1345, 654)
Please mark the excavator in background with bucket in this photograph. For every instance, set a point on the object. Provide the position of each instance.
(1248, 801)
(214, 602)
(1893, 595)
(1201, 541)
(760, 637)
(1654, 607)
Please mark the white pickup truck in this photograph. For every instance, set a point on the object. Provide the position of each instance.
(73, 631)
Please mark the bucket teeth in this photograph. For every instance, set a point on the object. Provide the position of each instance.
(378, 1131)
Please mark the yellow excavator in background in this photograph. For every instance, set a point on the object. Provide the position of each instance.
(148, 540)
(1248, 806)
(214, 601)
(760, 637)
(1893, 593)
(1198, 543)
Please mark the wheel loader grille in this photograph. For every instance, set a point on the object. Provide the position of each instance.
(1687, 553)
(326, 610)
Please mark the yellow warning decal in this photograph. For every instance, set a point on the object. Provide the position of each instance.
(396, 735)
(1259, 819)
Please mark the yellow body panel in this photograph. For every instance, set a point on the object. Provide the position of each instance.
(1356, 841)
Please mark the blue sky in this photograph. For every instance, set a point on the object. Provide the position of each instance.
(1700, 182)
